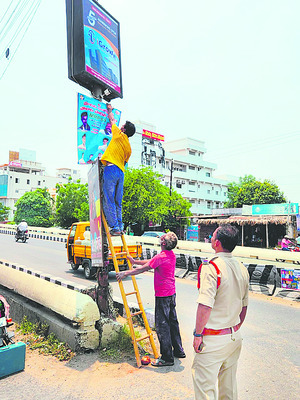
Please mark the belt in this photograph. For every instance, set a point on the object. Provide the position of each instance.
(225, 331)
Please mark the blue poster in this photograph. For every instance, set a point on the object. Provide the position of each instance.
(192, 233)
(102, 48)
(93, 128)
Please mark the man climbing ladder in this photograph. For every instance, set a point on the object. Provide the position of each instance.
(114, 159)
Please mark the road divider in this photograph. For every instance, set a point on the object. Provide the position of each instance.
(74, 314)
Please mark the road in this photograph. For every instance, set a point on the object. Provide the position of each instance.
(269, 365)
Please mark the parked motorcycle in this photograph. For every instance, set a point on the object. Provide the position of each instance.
(21, 235)
(6, 337)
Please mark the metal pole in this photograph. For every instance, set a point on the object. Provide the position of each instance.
(242, 235)
(267, 236)
(171, 176)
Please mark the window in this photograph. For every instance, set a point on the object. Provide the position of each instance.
(193, 201)
(208, 204)
(199, 186)
(178, 185)
(39, 183)
(192, 167)
(192, 153)
(212, 188)
(72, 233)
(207, 174)
(28, 181)
(225, 193)
(208, 191)
(193, 183)
(17, 180)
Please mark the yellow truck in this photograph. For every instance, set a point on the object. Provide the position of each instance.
(79, 250)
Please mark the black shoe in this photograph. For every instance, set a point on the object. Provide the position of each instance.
(115, 232)
(180, 355)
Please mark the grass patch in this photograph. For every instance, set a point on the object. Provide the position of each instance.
(38, 337)
(120, 346)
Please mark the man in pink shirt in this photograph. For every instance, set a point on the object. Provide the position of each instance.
(166, 322)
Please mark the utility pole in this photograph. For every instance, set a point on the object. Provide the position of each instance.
(171, 176)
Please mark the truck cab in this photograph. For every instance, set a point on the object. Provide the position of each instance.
(79, 251)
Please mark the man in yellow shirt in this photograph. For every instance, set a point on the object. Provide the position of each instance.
(115, 157)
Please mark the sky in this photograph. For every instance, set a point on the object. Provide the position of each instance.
(225, 72)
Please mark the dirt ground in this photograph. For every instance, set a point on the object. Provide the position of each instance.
(87, 376)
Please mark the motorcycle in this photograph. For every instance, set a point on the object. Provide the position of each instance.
(294, 248)
(21, 235)
(6, 337)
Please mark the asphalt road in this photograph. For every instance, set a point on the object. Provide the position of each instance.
(269, 365)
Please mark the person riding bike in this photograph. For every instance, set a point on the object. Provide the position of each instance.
(22, 227)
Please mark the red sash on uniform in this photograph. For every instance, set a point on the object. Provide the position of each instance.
(217, 270)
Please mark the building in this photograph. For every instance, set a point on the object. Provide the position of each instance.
(19, 177)
(182, 166)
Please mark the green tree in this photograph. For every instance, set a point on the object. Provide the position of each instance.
(146, 199)
(179, 209)
(36, 208)
(251, 191)
(3, 212)
(72, 203)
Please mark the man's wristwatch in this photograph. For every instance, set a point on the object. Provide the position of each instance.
(197, 334)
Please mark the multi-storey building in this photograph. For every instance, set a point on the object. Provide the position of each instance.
(182, 166)
(19, 177)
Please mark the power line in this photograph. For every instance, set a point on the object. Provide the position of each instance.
(31, 12)
(247, 147)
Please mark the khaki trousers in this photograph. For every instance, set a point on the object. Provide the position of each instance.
(217, 361)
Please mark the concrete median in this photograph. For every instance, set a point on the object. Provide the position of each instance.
(77, 310)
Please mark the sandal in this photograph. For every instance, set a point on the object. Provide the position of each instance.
(159, 362)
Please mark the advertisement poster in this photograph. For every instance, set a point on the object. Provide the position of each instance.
(102, 48)
(95, 216)
(93, 128)
(192, 233)
(290, 279)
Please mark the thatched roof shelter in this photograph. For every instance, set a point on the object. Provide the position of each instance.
(244, 219)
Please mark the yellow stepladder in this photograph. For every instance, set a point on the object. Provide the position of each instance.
(136, 292)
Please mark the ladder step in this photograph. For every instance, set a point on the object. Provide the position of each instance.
(143, 338)
(128, 294)
(121, 254)
(137, 313)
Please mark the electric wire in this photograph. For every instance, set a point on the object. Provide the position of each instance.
(17, 32)
(246, 147)
(6, 11)
(12, 19)
(33, 14)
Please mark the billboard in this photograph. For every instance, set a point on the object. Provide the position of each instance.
(13, 155)
(94, 54)
(275, 209)
(153, 135)
(93, 128)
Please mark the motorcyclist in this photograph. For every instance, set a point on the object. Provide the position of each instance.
(22, 227)
(286, 243)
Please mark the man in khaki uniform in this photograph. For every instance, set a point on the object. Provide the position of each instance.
(222, 307)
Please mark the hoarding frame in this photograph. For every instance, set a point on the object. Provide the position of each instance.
(76, 52)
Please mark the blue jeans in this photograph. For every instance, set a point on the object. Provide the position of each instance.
(113, 182)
